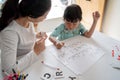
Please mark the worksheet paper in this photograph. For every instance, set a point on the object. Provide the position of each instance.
(78, 55)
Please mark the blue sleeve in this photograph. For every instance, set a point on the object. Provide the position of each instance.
(57, 31)
(82, 29)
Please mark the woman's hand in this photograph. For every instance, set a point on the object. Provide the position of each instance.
(41, 34)
(40, 44)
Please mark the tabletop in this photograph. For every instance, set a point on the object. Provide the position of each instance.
(101, 70)
(49, 67)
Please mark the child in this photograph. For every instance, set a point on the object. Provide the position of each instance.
(72, 26)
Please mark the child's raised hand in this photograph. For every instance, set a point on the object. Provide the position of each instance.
(59, 45)
(96, 15)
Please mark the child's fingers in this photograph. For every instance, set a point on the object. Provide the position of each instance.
(59, 45)
(97, 14)
(63, 43)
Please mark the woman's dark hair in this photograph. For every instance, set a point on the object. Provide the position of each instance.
(73, 13)
(13, 9)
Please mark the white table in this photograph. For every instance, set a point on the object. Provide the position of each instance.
(101, 70)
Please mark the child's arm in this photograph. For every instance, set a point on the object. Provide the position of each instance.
(53, 40)
(96, 16)
(57, 43)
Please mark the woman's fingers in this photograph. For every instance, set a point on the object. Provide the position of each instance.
(41, 40)
(42, 34)
(39, 46)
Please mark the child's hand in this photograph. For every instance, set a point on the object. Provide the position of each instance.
(59, 45)
(96, 15)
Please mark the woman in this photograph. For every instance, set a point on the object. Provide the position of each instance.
(18, 35)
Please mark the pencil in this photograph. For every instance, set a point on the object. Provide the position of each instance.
(59, 77)
(13, 71)
(118, 68)
(50, 66)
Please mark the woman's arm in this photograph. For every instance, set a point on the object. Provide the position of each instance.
(9, 46)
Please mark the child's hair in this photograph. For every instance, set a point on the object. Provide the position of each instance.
(73, 13)
(13, 9)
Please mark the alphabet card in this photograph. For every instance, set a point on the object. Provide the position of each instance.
(115, 53)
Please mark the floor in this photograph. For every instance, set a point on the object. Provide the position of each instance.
(49, 24)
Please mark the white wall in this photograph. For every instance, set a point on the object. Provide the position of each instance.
(111, 20)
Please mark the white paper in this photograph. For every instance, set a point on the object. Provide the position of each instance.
(78, 55)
